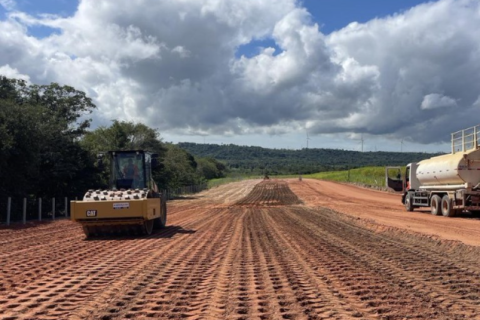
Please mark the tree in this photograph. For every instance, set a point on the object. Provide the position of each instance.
(20, 148)
(210, 168)
(123, 135)
(39, 130)
(179, 169)
(64, 106)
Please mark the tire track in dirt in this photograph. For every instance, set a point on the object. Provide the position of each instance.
(66, 253)
(101, 258)
(23, 238)
(75, 283)
(178, 283)
(259, 257)
(405, 268)
(316, 299)
(385, 209)
(290, 291)
(270, 193)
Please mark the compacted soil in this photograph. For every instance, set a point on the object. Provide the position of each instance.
(252, 250)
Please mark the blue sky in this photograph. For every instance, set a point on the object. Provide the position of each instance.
(63, 8)
(60, 7)
(332, 15)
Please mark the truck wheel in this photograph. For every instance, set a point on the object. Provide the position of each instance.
(475, 213)
(436, 204)
(408, 203)
(447, 210)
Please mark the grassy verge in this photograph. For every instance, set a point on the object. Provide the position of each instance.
(373, 176)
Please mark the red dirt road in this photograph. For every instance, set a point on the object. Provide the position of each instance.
(244, 251)
(386, 209)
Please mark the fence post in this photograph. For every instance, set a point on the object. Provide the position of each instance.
(9, 207)
(39, 209)
(66, 207)
(24, 210)
(53, 208)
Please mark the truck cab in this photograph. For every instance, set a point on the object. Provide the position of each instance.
(410, 181)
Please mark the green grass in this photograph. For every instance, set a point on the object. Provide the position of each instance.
(374, 176)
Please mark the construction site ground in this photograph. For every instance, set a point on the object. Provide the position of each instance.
(254, 249)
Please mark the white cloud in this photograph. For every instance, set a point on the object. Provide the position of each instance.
(13, 73)
(172, 65)
(435, 100)
(430, 48)
(477, 102)
(182, 52)
(8, 4)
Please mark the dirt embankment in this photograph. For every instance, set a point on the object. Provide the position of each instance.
(239, 252)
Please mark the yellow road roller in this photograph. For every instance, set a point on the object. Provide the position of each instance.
(131, 205)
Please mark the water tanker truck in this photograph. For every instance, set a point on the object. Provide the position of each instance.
(449, 184)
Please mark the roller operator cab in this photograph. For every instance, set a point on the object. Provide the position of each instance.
(132, 204)
(448, 184)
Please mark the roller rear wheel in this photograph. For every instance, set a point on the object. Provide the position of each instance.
(87, 231)
(147, 227)
(161, 221)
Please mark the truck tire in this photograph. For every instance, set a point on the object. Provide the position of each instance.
(447, 210)
(436, 205)
(408, 203)
(475, 213)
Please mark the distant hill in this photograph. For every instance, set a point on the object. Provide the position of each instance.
(257, 160)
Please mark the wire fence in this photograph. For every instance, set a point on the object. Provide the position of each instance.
(17, 209)
(178, 192)
(218, 182)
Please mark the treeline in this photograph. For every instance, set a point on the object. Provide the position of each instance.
(46, 148)
(257, 160)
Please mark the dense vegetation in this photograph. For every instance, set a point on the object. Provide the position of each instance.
(257, 160)
(40, 127)
(47, 150)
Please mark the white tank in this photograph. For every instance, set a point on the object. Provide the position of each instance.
(450, 169)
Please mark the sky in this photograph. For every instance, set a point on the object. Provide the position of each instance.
(385, 75)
